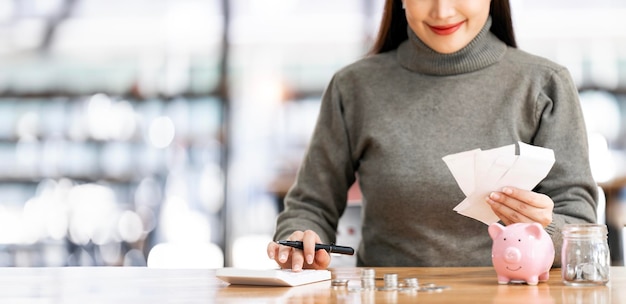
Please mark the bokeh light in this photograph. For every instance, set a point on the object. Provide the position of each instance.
(161, 132)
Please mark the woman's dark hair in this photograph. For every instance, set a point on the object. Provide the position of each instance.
(393, 25)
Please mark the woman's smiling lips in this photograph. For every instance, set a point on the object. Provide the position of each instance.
(445, 29)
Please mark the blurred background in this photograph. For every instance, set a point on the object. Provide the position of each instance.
(166, 132)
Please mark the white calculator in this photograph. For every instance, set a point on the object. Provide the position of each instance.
(271, 277)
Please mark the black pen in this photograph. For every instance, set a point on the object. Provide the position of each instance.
(331, 248)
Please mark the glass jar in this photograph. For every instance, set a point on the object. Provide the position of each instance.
(585, 256)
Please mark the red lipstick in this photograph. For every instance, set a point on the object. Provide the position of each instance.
(445, 29)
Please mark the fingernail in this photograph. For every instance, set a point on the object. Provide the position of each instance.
(297, 267)
(309, 259)
(283, 258)
(494, 195)
(507, 191)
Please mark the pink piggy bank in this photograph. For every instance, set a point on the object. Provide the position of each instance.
(521, 252)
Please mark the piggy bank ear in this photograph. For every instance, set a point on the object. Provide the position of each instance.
(494, 230)
(534, 229)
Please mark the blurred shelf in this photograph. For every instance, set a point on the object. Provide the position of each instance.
(124, 158)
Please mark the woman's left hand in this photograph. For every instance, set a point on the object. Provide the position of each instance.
(513, 205)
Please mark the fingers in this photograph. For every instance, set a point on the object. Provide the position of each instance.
(509, 216)
(289, 257)
(298, 259)
(272, 250)
(513, 205)
(322, 260)
(530, 198)
(309, 240)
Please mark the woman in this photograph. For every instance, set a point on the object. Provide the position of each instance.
(444, 76)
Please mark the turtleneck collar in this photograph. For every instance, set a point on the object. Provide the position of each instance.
(484, 50)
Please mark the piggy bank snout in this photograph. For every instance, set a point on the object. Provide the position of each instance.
(512, 255)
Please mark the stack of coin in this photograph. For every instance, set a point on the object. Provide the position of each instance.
(391, 282)
(368, 278)
(411, 283)
(339, 283)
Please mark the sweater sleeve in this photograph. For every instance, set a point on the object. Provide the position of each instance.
(570, 183)
(318, 197)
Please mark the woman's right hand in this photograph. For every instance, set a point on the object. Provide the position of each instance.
(296, 259)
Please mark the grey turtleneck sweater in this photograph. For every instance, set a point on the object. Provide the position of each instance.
(390, 118)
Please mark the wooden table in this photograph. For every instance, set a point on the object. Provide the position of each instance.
(148, 285)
